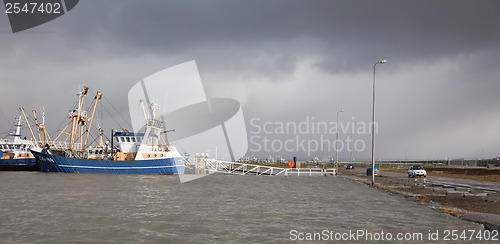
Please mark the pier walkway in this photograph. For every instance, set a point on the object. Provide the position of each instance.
(204, 164)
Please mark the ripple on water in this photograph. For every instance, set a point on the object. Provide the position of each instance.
(47, 208)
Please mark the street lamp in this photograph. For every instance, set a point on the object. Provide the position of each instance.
(337, 142)
(373, 121)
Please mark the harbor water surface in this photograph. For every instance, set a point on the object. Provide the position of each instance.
(96, 208)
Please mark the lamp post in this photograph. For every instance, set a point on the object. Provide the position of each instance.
(337, 142)
(352, 151)
(373, 121)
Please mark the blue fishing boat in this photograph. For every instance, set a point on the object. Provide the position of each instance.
(136, 153)
(164, 164)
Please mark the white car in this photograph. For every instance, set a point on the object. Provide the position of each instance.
(417, 170)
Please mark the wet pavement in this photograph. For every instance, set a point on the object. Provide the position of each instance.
(465, 195)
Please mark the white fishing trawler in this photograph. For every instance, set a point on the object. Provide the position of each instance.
(15, 151)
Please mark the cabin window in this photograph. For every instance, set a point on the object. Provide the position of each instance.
(23, 148)
(100, 151)
(133, 139)
(11, 146)
(128, 139)
(18, 147)
(122, 139)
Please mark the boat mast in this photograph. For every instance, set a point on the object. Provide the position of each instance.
(37, 126)
(154, 107)
(17, 133)
(96, 99)
(28, 123)
(45, 134)
(76, 117)
(152, 125)
(18, 127)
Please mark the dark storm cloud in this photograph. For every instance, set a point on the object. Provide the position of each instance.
(347, 32)
(343, 34)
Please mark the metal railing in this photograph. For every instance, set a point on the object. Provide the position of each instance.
(203, 164)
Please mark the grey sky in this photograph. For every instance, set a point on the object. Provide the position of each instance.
(283, 60)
